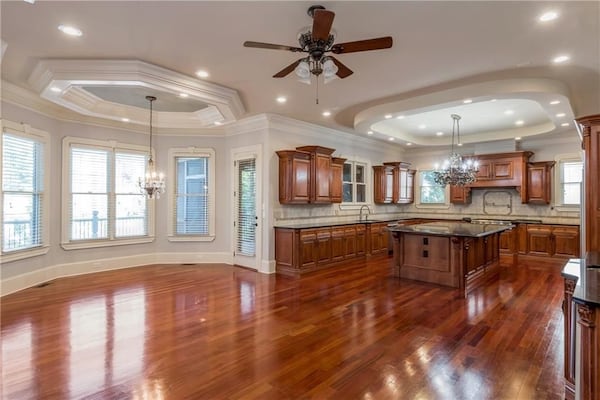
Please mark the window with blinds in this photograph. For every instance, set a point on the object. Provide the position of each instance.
(105, 200)
(246, 207)
(22, 192)
(192, 196)
(571, 176)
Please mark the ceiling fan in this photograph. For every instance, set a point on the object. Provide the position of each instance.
(317, 42)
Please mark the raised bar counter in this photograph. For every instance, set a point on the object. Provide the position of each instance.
(456, 254)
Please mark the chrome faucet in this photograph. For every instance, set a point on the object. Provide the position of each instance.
(360, 213)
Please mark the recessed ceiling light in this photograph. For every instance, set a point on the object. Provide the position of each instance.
(400, 117)
(184, 95)
(459, 144)
(391, 139)
(218, 123)
(564, 124)
(518, 138)
(519, 122)
(422, 126)
(440, 133)
(409, 144)
(69, 30)
(509, 112)
(201, 74)
(281, 99)
(29, 1)
(369, 132)
(56, 89)
(561, 59)
(125, 119)
(548, 16)
(388, 116)
(326, 113)
(555, 102)
(467, 101)
(560, 115)
(493, 100)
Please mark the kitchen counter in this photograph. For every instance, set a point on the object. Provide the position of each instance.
(463, 229)
(587, 289)
(310, 225)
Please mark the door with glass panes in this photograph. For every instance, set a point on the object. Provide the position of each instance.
(246, 224)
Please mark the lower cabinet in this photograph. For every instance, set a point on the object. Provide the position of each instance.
(300, 250)
(553, 240)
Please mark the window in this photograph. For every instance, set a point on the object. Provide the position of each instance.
(104, 205)
(192, 202)
(570, 178)
(25, 173)
(430, 192)
(354, 184)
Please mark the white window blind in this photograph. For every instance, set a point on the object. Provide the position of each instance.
(22, 192)
(192, 197)
(105, 200)
(246, 207)
(571, 176)
(130, 204)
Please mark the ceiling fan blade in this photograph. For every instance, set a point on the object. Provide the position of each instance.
(271, 46)
(343, 71)
(288, 69)
(363, 45)
(322, 21)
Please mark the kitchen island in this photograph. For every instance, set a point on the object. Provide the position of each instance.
(455, 254)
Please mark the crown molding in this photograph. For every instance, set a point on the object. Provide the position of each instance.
(31, 101)
(62, 81)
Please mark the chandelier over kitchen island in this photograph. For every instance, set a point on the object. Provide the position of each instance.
(454, 171)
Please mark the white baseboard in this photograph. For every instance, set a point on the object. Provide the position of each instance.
(267, 267)
(24, 281)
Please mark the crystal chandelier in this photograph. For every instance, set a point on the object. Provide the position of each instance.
(154, 183)
(455, 171)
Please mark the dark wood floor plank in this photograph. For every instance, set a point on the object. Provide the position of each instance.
(222, 332)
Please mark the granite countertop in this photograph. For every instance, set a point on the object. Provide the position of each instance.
(452, 229)
(310, 225)
(587, 273)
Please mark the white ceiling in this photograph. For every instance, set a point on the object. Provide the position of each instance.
(443, 53)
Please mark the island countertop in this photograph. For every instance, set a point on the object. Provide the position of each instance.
(464, 229)
(586, 272)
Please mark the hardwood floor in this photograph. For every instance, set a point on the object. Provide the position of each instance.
(222, 332)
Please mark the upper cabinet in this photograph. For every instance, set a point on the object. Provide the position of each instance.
(591, 198)
(383, 184)
(539, 182)
(393, 183)
(460, 195)
(310, 174)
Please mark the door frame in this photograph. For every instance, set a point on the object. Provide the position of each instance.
(241, 153)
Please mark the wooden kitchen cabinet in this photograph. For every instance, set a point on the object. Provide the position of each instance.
(403, 182)
(553, 240)
(294, 177)
(301, 250)
(383, 184)
(566, 241)
(310, 174)
(539, 182)
(503, 170)
(335, 184)
(460, 194)
(508, 241)
(590, 131)
(320, 173)
(539, 240)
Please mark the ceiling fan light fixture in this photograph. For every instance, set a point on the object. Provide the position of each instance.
(330, 70)
(302, 71)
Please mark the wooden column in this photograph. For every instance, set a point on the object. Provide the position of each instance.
(588, 320)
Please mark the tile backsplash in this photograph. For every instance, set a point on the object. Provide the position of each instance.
(486, 203)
